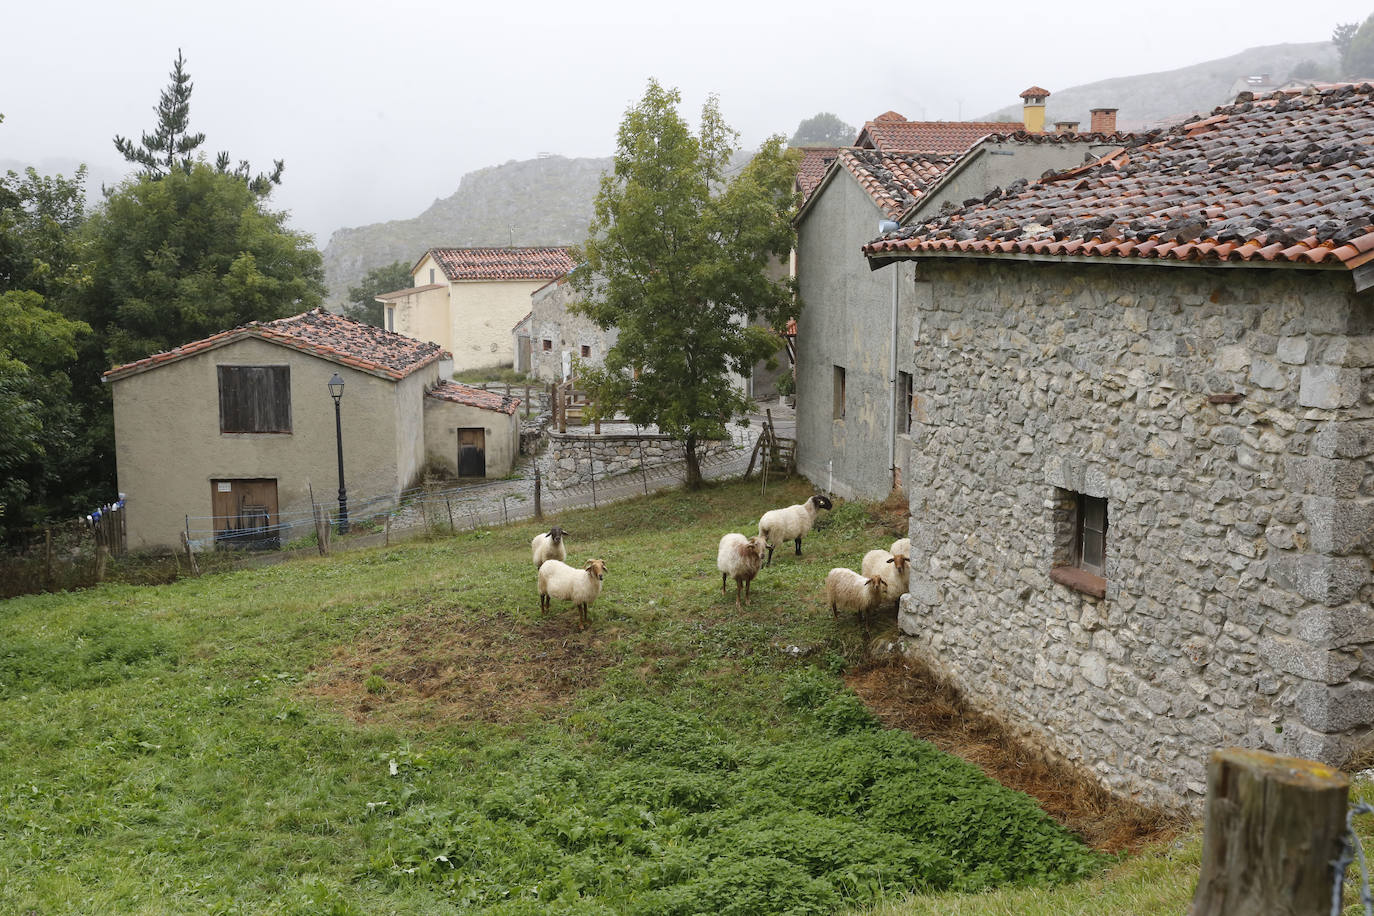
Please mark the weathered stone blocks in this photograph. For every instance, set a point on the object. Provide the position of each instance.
(1329, 387)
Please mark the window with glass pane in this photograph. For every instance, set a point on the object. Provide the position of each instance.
(1092, 533)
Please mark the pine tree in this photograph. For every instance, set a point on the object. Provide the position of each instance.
(170, 146)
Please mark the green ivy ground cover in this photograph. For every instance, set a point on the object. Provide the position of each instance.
(164, 750)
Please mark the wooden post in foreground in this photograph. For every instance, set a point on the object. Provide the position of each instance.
(1273, 827)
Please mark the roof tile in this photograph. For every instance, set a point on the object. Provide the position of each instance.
(1275, 179)
(319, 333)
(458, 393)
(503, 263)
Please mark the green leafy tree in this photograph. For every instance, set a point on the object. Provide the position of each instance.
(1358, 60)
(41, 434)
(1342, 35)
(824, 129)
(171, 144)
(189, 255)
(677, 260)
(362, 299)
(39, 216)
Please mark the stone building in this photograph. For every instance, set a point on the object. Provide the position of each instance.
(466, 299)
(231, 433)
(558, 336)
(1142, 500)
(853, 403)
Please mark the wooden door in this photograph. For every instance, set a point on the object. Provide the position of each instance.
(472, 452)
(245, 513)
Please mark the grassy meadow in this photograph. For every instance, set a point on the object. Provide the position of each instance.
(399, 730)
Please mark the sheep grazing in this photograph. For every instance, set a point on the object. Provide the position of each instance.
(844, 588)
(580, 586)
(901, 548)
(742, 558)
(549, 546)
(895, 570)
(791, 523)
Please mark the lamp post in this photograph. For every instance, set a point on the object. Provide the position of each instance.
(336, 386)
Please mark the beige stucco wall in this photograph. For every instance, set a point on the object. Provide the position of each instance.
(169, 447)
(424, 316)
(481, 316)
(427, 271)
(442, 419)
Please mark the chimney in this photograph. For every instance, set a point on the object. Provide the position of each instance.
(1033, 112)
(1066, 127)
(1104, 121)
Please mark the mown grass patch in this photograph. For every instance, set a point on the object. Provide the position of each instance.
(202, 746)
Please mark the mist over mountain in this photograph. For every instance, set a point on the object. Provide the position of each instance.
(1173, 94)
(544, 201)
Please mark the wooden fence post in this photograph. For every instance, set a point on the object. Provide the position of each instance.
(1272, 830)
(190, 554)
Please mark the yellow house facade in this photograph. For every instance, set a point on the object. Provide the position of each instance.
(467, 299)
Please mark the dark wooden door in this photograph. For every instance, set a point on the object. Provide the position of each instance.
(472, 453)
(245, 513)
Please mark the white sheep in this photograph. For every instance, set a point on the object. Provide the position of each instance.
(901, 548)
(548, 546)
(740, 557)
(895, 570)
(791, 523)
(580, 586)
(844, 588)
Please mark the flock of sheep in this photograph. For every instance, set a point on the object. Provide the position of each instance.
(883, 572)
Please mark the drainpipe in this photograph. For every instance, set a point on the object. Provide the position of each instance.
(884, 227)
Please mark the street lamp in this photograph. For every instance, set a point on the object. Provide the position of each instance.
(336, 385)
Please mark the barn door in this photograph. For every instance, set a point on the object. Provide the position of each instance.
(245, 513)
(472, 453)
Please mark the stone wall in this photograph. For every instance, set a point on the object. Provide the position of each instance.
(571, 459)
(1225, 415)
(551, 321)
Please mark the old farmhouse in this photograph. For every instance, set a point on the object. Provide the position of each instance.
(1141, 487)
(225, 437)
(467, 299)
(854, 383)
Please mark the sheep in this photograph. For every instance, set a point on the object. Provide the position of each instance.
(548, 546)
(791, 523)
(740, 557)
(895, 570)
(901, 547)
(580, 586)
(844, 588)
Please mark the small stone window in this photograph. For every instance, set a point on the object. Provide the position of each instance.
(1080, 550)
(839, 393)
(586, 351)
(391, 318)
(904, 392)
(548, 345)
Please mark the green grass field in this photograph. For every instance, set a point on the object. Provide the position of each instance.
(399, 730)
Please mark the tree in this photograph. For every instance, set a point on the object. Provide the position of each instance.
(1341, 36)
(824, 129)
(188, 255)
(39, 216)
(171, 144)
(362, 299)
(40, 429)
(1358, 59)
(677, 259)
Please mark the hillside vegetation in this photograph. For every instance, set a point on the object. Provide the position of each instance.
(399, 730)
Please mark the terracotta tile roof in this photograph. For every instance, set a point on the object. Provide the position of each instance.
(895, 181)
(402, 293)
(316, 332)
(1035, 92)
(936, 137)
(815, 160)
(458, 393)
(503, 263)
(1280, 179)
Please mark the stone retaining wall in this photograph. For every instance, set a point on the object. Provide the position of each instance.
(572, 459)
(1227, 418)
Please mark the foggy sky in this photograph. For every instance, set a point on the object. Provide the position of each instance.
(380, 108)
